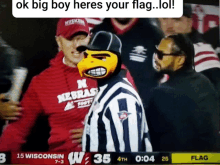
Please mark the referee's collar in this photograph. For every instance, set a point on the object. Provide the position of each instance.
(111, 80)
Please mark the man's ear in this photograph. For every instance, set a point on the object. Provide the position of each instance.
(58, 43)
(181, 60)
(87, 40)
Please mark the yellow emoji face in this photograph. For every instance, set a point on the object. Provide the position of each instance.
(97, 64)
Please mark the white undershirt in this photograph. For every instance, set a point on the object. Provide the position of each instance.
(64, 62)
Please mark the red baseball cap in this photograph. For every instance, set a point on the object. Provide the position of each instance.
(67, 27)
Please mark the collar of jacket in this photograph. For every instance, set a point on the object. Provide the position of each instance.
(181, 72)
(58, 62)
(113, 79)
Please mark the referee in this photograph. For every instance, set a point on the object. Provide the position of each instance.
(116, 121)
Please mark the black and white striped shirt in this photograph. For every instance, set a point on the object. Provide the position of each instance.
(116, 121)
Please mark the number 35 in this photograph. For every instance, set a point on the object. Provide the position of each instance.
(99, 159)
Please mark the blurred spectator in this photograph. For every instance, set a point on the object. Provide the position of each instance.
(139, 37)
(182, 113)
(9, 60)
(206, 60)
(212, 36)
(6, 69)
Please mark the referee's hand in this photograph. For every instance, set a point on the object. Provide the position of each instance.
(76, 135)
(9, 110)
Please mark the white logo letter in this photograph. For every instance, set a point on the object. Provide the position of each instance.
(82, 84)
(75, 157)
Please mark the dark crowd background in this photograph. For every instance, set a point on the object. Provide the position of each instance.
(35, 39)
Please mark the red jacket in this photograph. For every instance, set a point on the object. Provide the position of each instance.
(60, 93)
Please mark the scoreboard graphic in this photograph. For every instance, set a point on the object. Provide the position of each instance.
(84, 158)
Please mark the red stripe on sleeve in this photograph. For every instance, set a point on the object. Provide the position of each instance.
(204, 52)
(206, 59)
